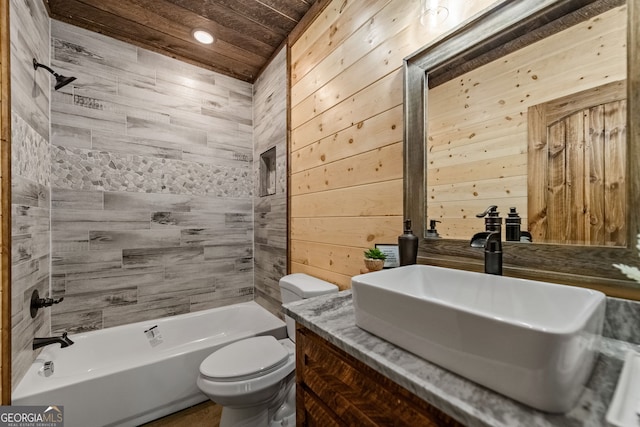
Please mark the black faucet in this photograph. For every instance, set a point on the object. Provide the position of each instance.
(493, 254)
(490, 240)
(63, 340)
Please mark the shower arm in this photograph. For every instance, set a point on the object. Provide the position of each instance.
(36, 65)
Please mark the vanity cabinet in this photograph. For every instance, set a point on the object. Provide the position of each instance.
(335, 389)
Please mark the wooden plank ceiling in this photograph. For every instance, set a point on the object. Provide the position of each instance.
(247, 32)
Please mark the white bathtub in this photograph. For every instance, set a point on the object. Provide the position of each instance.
(122, 376)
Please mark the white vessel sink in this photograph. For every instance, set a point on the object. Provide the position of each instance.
(534, 342)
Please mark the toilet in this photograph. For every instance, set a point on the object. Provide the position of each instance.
(254, 378)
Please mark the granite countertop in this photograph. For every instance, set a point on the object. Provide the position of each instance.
(332, 317)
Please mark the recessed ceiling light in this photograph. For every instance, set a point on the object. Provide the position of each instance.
(202, 36)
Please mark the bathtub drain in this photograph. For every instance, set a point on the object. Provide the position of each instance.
(47, 368)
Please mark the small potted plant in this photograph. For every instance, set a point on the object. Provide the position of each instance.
(374, 259)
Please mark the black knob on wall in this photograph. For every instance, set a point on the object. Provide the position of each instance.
(37, 302)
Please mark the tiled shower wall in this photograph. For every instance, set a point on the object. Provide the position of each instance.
(270, 120)
(151, 200)
(30, 177)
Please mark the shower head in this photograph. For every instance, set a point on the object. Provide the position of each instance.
(61, 80)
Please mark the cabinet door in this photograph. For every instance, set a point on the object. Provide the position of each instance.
(314, 413)
(336, 389)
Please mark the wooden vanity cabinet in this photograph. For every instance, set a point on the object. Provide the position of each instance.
(335, 389)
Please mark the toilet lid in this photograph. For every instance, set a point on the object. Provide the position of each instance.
(245, 358)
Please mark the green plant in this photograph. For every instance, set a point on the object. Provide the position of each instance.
(375, 253)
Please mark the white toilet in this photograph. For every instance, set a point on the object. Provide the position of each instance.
(254, 379)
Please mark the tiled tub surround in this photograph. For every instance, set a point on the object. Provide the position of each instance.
(151, 199)
(30, 153)
(270, 212)
(123, 257)
(30, 253)
(332, 317)
(79, 169)
(30, 178)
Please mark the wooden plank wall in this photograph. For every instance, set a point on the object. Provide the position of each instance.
(270, 212)
(151, 185)
(30, 179)
(346, 130)
(477, 144)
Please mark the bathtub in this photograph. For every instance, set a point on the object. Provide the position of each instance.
(132, 374)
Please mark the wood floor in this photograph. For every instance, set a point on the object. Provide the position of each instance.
(206, 414)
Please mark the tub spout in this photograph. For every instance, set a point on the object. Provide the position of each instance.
(63, 340)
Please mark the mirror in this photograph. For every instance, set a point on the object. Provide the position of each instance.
(447, 76)
(478, 131)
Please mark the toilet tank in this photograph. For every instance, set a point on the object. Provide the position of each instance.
(299, 286)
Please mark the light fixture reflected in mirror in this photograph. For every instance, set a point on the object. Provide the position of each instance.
(433, 12)
(203, 36)
(61, 80)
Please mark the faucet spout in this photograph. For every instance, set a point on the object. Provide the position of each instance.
(63, 340)
(479, 239)
(493, 254)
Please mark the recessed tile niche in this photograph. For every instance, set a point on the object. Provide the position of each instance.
(268, 172)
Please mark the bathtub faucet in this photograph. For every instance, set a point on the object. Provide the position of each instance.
(63, 340)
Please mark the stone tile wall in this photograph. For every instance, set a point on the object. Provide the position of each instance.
(152, 190)
(30, 178)
(270, 212)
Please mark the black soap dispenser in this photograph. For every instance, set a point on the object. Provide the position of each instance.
(408, 245)
(512, 226)
(432, 233)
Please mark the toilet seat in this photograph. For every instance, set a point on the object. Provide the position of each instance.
(245, 359)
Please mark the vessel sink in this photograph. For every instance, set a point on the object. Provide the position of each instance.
(532, 341)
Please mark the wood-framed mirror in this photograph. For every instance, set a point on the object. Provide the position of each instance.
(506, 28)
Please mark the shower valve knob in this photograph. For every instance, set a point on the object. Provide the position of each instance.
(37, 302)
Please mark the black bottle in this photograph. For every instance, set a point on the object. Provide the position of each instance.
(408, 245)
(432, 233)
(512, 226)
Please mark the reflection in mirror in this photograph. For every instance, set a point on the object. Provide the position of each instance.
(565, 179)
(577, 170)
(502, 32)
